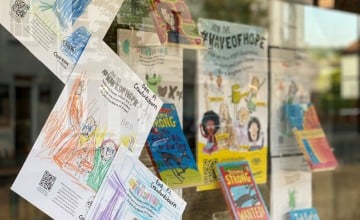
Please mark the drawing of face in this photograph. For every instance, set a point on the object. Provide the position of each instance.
(243, 116)
(254, 129)
(108, 150)
(210, 127)
(255, 84)
(88, 127)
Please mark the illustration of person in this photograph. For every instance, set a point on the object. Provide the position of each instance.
(254, 134)
(240, 125)
(251, 99)
(172, 20)
(208, 128)
(77, 154)
(103, 158)
(226, 128)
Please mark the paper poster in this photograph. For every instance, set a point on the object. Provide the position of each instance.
(131, 191)
(291, 78)
(174, 24)
(57, 31)
(103, 106)
(232, 98)
(159, 66)
(290, 186)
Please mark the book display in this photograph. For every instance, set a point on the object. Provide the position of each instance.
(173, 109)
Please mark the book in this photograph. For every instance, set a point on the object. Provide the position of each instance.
(310, 136)
(240, 191)
(291, 185)
(57, 31)
(231, 98)
(131, 191)
(103, 106)
(303, 214)
(174, 24)
(170, 151)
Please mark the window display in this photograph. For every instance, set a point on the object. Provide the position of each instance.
(178, 109)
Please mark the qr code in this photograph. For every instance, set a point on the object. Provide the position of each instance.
(209, 172)
(20, 8)
(47, 181)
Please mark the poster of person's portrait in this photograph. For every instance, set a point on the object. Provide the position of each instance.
(4, 106)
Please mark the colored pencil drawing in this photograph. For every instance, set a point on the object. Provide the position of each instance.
(103, 158)
(116, 192)
(75, 44)
(67, 11)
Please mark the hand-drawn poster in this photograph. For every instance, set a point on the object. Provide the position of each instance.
(104, 105)
(57, 31)
(291, 186)
(159, 66)
(174, 24)
(232, 98)
(131, 191)
(292, 74)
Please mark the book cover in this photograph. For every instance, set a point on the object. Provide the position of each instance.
(170, 151)
(131, 191)
(310, 136)
(303, 214)
(240, 191)
(159, 66)
(291, 185)
(57, 31)
(231, 98)
(174, 24)
(102, 106)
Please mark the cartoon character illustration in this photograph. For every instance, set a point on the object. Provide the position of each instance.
(209, 126)
(213, 90)
(103, 158)
(256, 139)
(226, 135)
(153, 82)
(240, 125)
(251, 98)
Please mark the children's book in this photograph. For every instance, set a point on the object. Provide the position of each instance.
(231, 98)
(159, 66)
(57, 31)
(291, 185)
(303, 214)
(170, 151)
(174, 24)
(240, 191)
(131, 191)
(310, 136)
(103, 106)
